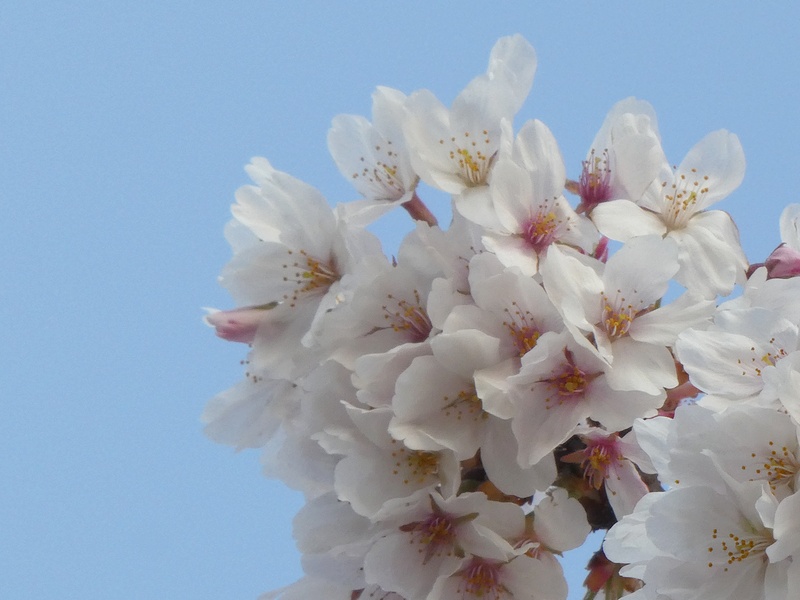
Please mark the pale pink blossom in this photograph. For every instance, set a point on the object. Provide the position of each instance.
(530, 212)
(611, 461)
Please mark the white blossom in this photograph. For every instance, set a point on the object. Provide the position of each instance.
(374, 157)
(624, 158)
(675, 206)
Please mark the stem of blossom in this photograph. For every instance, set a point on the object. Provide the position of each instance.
(493, 493)
(600, 571)
(419, 211)
(604, 576)
(681, 392)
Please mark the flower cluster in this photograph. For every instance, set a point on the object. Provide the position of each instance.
(459, 415)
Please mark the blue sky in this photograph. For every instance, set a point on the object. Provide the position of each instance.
(124, 129)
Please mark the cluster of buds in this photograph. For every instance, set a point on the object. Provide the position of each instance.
(460, 415)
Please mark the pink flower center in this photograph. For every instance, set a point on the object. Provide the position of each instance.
(409, 317)
(436, 534)
(481, 579)
(569, 384)
(540, 230)
(597, 459)
(594, 186)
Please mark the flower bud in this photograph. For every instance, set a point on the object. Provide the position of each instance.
(239, 324)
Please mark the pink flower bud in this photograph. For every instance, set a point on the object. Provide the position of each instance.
(239, 324)
(784, 262)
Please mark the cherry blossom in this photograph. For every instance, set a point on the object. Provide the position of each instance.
(675, 206)
(611, 461)
(616, 305)
(455, 149)
(429, 536)
(624, 158)
(530, 211)
(562, 384)
(374, 156)
(728, 359)
(460, 414)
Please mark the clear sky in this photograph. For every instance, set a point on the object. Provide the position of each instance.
(124, 129)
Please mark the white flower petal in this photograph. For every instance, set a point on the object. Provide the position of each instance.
(622, 219)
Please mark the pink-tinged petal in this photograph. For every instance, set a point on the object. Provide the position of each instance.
(622, 219)
(784, 262)
(594, 185)
(624, 157)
